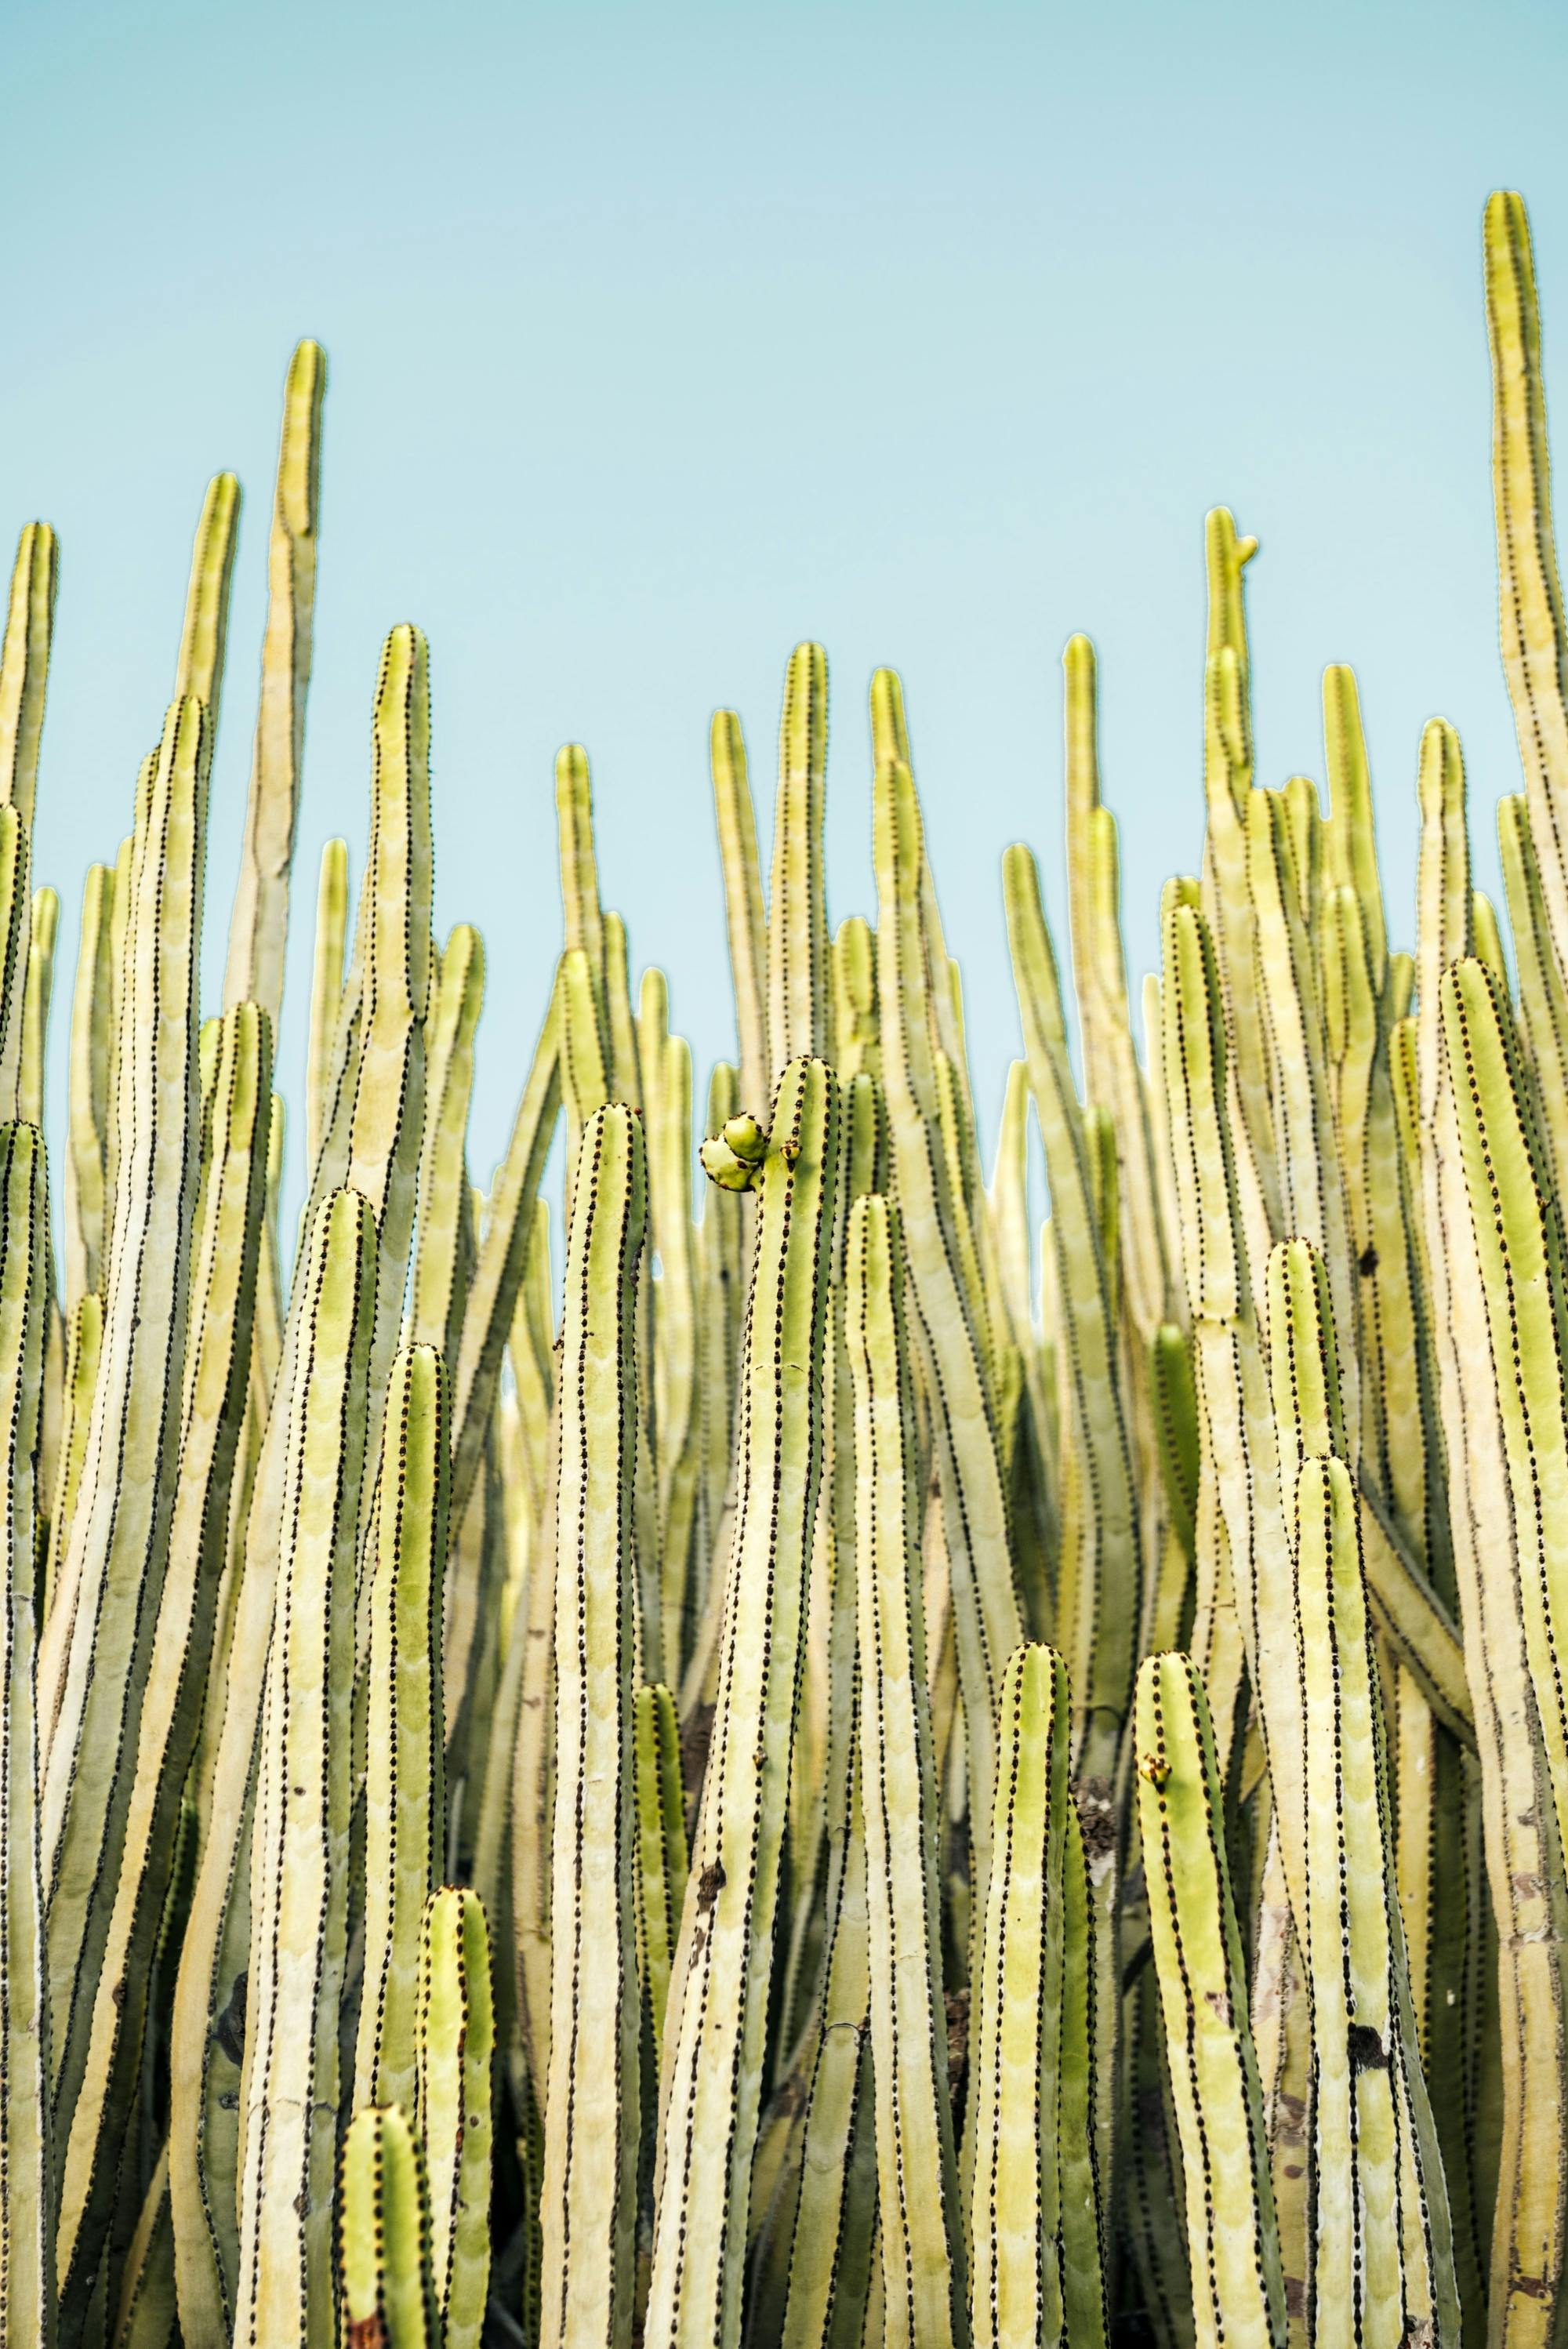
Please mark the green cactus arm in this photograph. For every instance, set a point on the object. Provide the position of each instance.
(969, 1464)
(662, 1862)
(798, 997)
(1098, 1641)
(258, 926)
(1352, 840)
(1017, 2009)
(721, 1298)
(87, 1086)
(582, 914)
(1519, 1244)
(26, 2247)
(1530, 596)
(94, 1653)
(1543, 994)
(625, 1078)
(100, 2029)
(299, 1857)
(383, 2228)
(44, 924)
(715, 2018)
(1304, 1357)
(326, 988)
(145, 2314)
(405, 1809)
(1232, 2240)
(890, 743)
(441, 1269)
(502, 1257)
(24, 665)
(745, 914)
(855, 1016)
(456, 2047)
(204, 633)
(588, 2203)
(1084, 2153)
(1381, 2253)
(83, 1348)
(1304, 829)
(1488, 937)
(1176, 1428)
(923, 2241)
(15, 927)
(666, 1118)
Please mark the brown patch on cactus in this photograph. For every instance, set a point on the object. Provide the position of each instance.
(696, 1735)
(1368, 2053)
(1290, 2118)
(1097, 1817)
(366, 2333)
(1219, 2000)
(1295, 2296)
(1534, 2287)
(956, 2004)
(709, 1885)
(1368, 1262)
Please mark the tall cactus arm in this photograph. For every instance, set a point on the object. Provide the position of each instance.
(1542, 993)
(457, 2045)
(1352, 840)
(326, 987)
(258, 929)
(86, 1089)
(714, 2027)
(747, 919)
(299, 1868)
(404, 1808)
(1233, 2240)
(383, 2226)
(662, 1861)
(798, 1001)
(43, 928)
(24, 665)
(588, 2203)
(15, 934)
(582, 914)
(205, 632)
(440, 1272)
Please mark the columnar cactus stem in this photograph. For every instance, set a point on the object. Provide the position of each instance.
(799, 1005)
(1231, 2238)
(45, 923)
(662, 1860)
(747, 918)
(1351, 839)
(404, 1810)
(456, 2046)
(299, 1892)
(258, 929)
(921, 2229)
(24, 665)
(87, 1113)
(715, 2027)
(326, 988)
(205, 632)
(26, 2237)
(442, 1259)
(384, 2234)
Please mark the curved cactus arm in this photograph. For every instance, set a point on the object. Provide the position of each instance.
(746, 916)
(86, 1087)
(717, 2016)
(442, 1265)
(101, 2029)
(24, 665)
(1109, 1577)
(1519, 1244)
(326, 990)
(1381, 2252)
(299, 1859)
(1232, 2240)
(922, 2238)
(97, 1648)
(986, 1612)
(662, 1860)
(588, 2205)
(384, 2234)
(258, 927)
(204, 634)
(26, 2242)
(1017, 2000)
(456, 2046)
(404, 1808)
(798, 992)
(1530, 596)
(1350, 835)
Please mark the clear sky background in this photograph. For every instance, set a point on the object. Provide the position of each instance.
(661, 337)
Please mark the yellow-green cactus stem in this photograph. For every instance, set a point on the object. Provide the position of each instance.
(44, 924)
(258, 927)
(747, 917)
(88, 1089)
(98, 2031)
(662, 1861)
(1233, 2242)
(1015, 2226)
(146, 2315)
(583, 917)
(713, 2033)
(799, 1005)
(665, 1062)
(625, 1073)
(404, 1810)
(83, 1346)
(457, 2045)
(1088, 2047)
(1351, 838)
(299, 1856)
(24, 665)
(588, 2203)
(15, 934)
(326, 987)
(1097, 1639)
(921, 2225)
(384, 2228)
(97, 1648)
(1543, 994)
(1380, 2252)
(205, 631)
(856, 1025)
(442, 1256)
(26, 2239)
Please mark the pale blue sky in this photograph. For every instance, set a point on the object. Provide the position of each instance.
(661, 337)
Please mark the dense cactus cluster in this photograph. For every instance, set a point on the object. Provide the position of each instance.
(857, 1776)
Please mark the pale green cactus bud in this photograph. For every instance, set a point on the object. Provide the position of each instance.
(457, 2045)
(384, 2234)
(258, 926)
(1233, 2240)
(716, 2015)
(24, 665)
(405, 1809)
